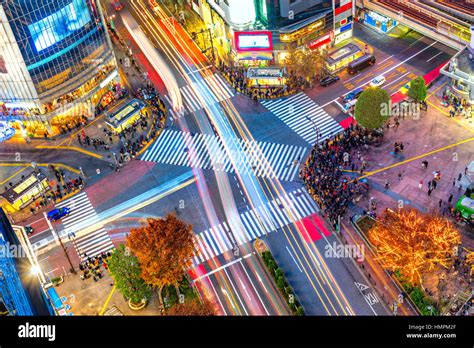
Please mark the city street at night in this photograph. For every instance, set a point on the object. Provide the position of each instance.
(240, 158)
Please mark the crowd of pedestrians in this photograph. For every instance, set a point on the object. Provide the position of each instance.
(324, 171)
(91, 267)
(237, 77)
(459, 107)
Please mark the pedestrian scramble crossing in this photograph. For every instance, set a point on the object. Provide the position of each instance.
(202, 93)
(304, 117)
(257, 222)
(207, 151)
(82, 214)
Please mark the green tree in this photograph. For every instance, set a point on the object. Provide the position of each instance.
(280, 283)
(307, 63)
(126, 271)
(418, 89)
(371, 108)
(278, 272)
(300, 311)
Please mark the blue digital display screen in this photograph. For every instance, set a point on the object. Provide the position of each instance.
(59, 25)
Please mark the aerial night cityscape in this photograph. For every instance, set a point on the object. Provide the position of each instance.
(237, 158)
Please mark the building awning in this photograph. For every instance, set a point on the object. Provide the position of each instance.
(54, 297)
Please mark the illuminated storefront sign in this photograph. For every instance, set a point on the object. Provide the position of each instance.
(295, 35)
(320, 41)
(379, 21)
(248, 41)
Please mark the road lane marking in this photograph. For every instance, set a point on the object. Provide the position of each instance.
(107, 301)
(289, 252)
(436, 55)
(384, 60)
(391, 82)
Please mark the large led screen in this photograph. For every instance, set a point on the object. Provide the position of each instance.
(253, 41)
(59, 25)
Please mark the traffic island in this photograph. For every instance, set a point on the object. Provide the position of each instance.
(278, 277)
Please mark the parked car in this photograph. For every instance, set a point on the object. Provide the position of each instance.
(353, 94)
(326, 81)
(57, 214)
(377, 81)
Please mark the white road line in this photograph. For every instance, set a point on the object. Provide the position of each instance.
(294, 259)
(436, 55)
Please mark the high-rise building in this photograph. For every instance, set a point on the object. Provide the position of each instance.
(258, 30)
(54, 55)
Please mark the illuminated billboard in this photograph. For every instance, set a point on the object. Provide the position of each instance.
(59, 25)
(246, 41)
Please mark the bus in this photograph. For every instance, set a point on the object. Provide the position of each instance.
(360, 63)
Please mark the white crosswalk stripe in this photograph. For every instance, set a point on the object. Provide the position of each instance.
(303, 115)
(83, 214)
(216, 89)
(256, 223)
(205, 151)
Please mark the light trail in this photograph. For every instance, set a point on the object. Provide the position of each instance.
(251, 187)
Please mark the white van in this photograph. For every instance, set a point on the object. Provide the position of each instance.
(349, 106)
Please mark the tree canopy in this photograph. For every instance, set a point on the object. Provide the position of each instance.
(414, 243)
(126, 271)
(164, 247)
(306, 63)
(193, 307)
(369, 108)
(418, 89)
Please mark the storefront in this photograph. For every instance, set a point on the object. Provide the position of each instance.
(253, 48)
(27, 190)
(340, 58)
(379, 22)
(126, 115)
(266, 77)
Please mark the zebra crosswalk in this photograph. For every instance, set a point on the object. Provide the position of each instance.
(83, 214)
(256, 222)
(304, 117)
(206, 151)
(194, 99)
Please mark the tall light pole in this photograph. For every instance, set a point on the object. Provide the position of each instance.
(58, 238)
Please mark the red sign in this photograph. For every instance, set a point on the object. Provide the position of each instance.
(343, 8)
(253, 41)
(320, 41)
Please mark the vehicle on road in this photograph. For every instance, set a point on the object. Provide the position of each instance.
(6, 132)
(377, 81)
(353, 94)
(117, 5)
(57, 214)
(349, 106)
(328, 80)
(361, 63)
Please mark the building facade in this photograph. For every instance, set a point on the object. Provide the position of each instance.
(53, 53)
(266, 30)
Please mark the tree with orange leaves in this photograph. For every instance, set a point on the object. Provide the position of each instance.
(164, 247)
(193, 307)
(414, 243)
